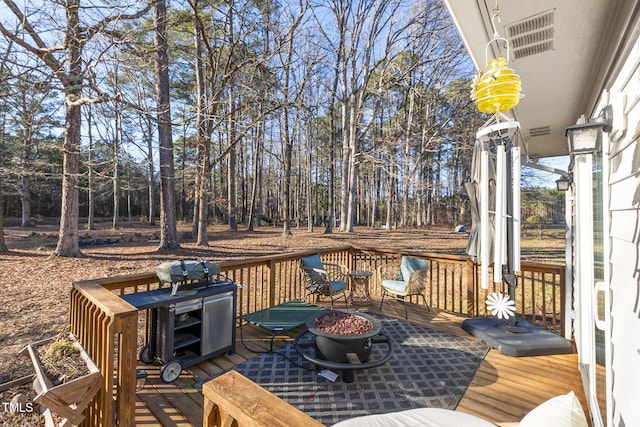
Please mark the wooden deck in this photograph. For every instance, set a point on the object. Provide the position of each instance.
(502, 391)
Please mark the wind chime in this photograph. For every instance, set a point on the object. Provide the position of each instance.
(495, 91)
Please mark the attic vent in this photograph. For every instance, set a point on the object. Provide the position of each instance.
(540, 131)
(532, 36)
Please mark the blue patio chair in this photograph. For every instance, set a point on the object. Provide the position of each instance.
(403, 280)
(324, 279)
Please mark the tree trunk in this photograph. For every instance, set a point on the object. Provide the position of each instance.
(27, 167)
(332, 172)
(3, 245)
(286, 188)
(332, 138)
(255, 169)
(90, 190)
(231, 168)
(352, 172)
(256, 185)
(168, 231)
(437, 190)
(203, 199)
(150, 174)
(68, 245)
(344, 181)
(116, 172)
(406, 178)
(309, 193)
(390, 191)
(287, 143)
(201, 217)
(129, 187)
(25, 197)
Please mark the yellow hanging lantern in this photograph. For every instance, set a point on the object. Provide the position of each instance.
(498, 89)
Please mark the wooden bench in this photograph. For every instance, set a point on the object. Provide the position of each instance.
(234, 400)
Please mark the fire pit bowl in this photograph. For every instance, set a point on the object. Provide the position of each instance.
(338, 333)
(343, 340)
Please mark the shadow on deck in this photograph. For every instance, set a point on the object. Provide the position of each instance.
(502, 391)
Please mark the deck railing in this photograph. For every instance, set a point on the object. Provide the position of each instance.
(107, 326)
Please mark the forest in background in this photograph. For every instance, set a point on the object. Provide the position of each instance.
(291, 113)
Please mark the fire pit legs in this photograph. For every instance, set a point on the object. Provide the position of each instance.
(348, 375)
(346, 368)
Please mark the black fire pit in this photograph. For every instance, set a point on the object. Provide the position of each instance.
(344, 341)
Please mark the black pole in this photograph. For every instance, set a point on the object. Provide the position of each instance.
(507, 272)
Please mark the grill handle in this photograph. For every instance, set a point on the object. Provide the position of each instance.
(185, 308)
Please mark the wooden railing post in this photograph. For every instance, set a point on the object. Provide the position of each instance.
(97, 316)
(211, 414)
(472, 278)
(351, 263)
(271, 283)
(126, 401)
(563, 314)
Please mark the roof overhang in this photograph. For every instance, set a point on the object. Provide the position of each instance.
(563, 51)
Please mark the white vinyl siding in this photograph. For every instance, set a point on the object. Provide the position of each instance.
(624, 241)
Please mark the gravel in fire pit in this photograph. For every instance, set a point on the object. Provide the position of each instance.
(342, 324)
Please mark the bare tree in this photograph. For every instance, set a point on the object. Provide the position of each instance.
(90, 172)
(168, 230)
(3, 88)
(340, 11)
(203, 144)
(3, 245)
(367, 35)
(66, 63)
(226, 55)
(289, 99)
(232, 187)
(287, 141)
(117, 143)
(29, 99)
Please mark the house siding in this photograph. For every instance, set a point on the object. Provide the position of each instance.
(624, 240)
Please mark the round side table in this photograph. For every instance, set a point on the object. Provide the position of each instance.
(360, 287)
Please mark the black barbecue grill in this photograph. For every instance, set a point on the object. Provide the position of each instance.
(187, 325)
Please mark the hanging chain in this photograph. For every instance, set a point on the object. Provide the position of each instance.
(495, 13)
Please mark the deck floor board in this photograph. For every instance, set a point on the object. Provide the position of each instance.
(502, 391)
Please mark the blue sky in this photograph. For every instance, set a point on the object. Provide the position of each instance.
(548, 179)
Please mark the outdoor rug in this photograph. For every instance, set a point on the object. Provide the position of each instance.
(428, 369)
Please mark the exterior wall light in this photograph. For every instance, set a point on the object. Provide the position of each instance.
(563, 183)
(585, 137)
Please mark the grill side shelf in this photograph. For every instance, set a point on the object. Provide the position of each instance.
(184, 340)
(190, 321)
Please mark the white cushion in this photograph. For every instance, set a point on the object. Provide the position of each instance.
(422, 417)
(395, 286)
(560, 411)
(409, 265)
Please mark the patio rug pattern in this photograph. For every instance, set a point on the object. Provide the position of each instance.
(428, 369)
